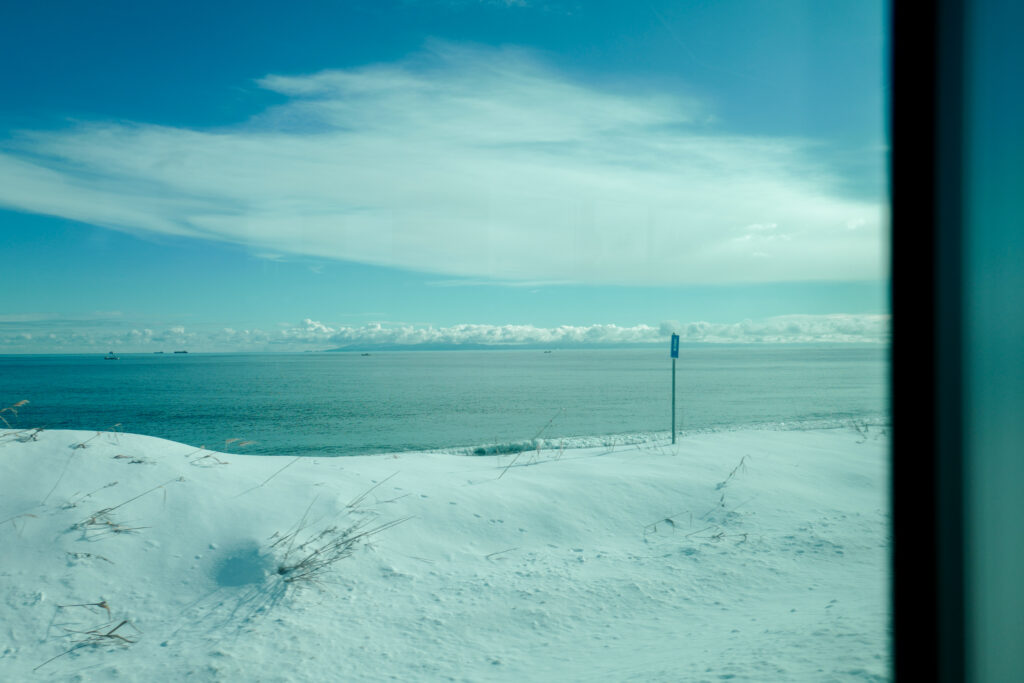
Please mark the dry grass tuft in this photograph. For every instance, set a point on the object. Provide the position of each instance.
(309, 559)
(13, 410)
(311, 550)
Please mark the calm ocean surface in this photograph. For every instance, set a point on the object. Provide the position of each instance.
(347, 403)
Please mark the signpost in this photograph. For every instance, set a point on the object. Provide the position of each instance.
(675, 354)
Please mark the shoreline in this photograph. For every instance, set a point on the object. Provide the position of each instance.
(641, 438)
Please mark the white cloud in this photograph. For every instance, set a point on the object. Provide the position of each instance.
(315, 335)
(838, 328)
(472, 163)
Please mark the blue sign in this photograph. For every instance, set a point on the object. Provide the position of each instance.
(675, 346)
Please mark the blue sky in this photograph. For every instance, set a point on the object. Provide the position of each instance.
(250, 176)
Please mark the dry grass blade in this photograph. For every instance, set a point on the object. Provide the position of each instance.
(509, 466)
(144, 493)
(84, 556)
(264, 482)
(668, 519)
(741, 467)
(238, 442)
(22, 435)
(536, 436)
(13, 410)
(96, 636)
(545, 427)
(719, 535)
(101, 604)
(113, 430)
(101, 521)
(206, 460)
(104, 526)
(14, 520)
(720, 486)
(707, 528)
(33, 435)
(862, 429)
(293, 534)
(77, 498)
(60, 478)
(358, 499)
(100, 633)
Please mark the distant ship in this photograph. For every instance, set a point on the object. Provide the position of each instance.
(364, 354)
(181, 351)
(110, 356)
(158, 352)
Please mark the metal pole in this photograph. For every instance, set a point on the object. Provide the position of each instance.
(673, 400)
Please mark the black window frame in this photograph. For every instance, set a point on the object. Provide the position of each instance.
(927, 176)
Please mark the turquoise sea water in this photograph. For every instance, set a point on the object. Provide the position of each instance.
(348, 403)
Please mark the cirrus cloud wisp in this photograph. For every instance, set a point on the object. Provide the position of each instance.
(471, 163)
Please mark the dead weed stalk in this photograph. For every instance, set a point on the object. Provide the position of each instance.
(13, 410)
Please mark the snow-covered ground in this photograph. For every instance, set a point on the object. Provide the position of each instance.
(748, 555)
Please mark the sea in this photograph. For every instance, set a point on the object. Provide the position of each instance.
(463, 401)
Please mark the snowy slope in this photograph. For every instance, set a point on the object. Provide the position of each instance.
(646, 563)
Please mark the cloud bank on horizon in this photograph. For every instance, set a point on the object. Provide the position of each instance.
(41, 336)
(468, 162)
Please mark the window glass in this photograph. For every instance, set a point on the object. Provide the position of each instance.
(336, 340)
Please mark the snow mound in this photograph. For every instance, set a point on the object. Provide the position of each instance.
(759, 555)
